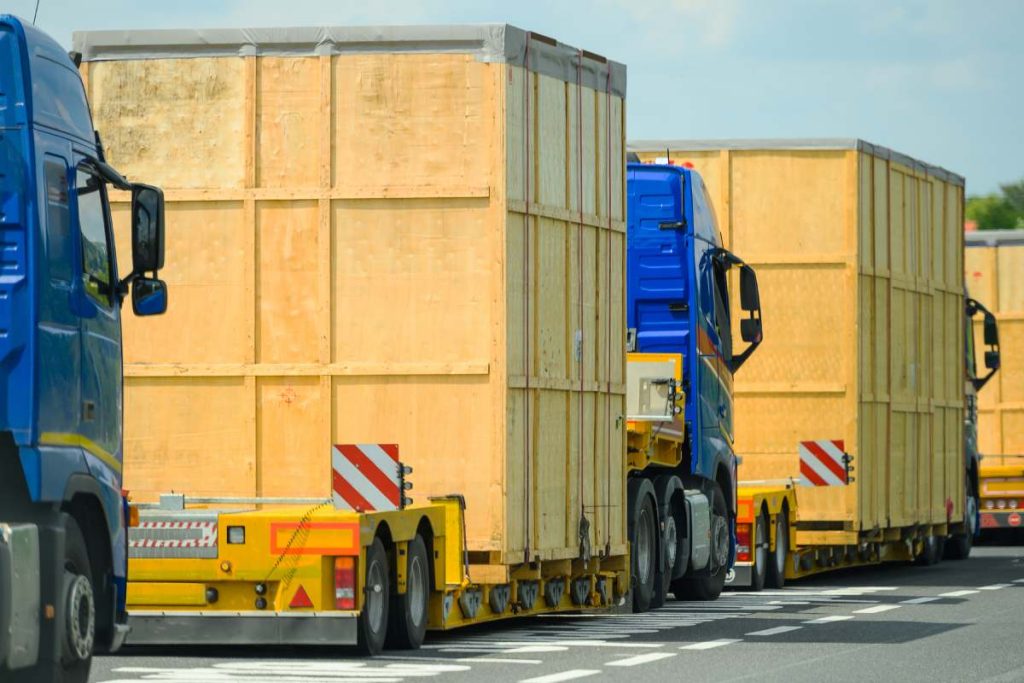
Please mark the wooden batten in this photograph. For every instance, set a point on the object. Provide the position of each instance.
(410, 245)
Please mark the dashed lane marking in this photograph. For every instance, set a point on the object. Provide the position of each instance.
(877, 609)
(710, 644)
(775, 631)
(284, 671)
(461, 660)
(642, 659)
(570, 675)
(1018, 580)
(920, 601)
(957, 594)
(830, 619)
(994, 587)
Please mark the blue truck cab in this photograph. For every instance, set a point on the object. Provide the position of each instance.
(62, 512)
(679, 303)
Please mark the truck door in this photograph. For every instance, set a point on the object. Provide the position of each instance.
(100, 321)
(59, 344)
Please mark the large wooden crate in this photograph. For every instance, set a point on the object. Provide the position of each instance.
(396, 235)
(859, 257)
(994, 270)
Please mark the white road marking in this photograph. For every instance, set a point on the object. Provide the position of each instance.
(1018, 580)
(709, 644)
(994, 587)
(465, 660)
(957, 594)
(572, 674)
(642, 659)
(775, 631)
(920, 601)
(829, 620)
(877, 609)
(278, 671)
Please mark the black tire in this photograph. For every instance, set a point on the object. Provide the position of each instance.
(958, 546)
(78, 602)
(407, 623)
(643, 544)
(760, 552)
(373, 618)
(709, 587)
(930, 553)
(775, 577)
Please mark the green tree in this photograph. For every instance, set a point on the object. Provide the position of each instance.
(1004, 209)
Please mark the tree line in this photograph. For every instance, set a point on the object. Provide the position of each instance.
(999, 210)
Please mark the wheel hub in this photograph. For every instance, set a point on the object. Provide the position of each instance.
(644, 545)
(80, 625)
(720, 543)
(671, 543)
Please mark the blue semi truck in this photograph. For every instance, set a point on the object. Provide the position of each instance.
(679, 311)
(62, 509)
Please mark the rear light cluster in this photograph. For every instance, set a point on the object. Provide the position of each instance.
(345, 583)
(1004, 504)
(743, 542)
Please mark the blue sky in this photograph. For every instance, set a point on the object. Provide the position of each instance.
(941, 80)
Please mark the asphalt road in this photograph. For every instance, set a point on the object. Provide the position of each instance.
(957, 621)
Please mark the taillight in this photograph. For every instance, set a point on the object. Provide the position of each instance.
(743, 543)
(345, 583)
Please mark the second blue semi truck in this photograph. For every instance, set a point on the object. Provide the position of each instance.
(679, 310)
(63, 547)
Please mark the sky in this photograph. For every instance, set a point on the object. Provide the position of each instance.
(940, 80)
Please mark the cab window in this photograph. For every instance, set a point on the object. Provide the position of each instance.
(92, 217)
(58, 220)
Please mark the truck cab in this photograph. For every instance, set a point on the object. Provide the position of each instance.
(62, 513)
(679, 311)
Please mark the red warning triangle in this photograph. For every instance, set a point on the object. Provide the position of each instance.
(301, 599)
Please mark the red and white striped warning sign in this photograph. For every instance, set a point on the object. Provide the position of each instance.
(823, 463)
(170, 535)
(366, 477)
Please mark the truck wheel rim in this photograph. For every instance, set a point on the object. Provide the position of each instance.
(671, 542)
(720, 535)
(375, 596)
(972, 514)
(644, 541)
(761, 545)
(781, 546)
(416, 590)
(81, 617)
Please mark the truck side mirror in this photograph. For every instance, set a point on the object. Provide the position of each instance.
(750, 298)
(992, 360)
(147, 229)
(149, 296)
(750, 330)
(991, 330)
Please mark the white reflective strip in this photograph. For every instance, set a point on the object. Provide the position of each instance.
(351, 474)
(382, 460)
(819, 467)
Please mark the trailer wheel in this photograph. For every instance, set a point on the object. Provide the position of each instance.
(710, 587)
(931, 553)
(407, 623)
(776, 575)
(79, 605)
(643, 542)
(373, 619)
(958, 547)
(761, 543)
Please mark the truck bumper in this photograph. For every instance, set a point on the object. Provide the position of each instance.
(740, 576)
(243, 628)
(1002, 519)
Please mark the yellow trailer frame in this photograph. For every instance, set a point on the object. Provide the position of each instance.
(1001, 491)
(807, 552)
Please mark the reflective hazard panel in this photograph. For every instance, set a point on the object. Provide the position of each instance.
(301, 599)
(823, 463)
(367, 477)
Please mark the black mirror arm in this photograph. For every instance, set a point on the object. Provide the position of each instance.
(979, 382)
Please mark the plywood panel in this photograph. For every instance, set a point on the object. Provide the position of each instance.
(412, 120)
(287, 270)
(194, 436)
(287, 122)
(191, 110)
(209, 309)
(293, 460)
